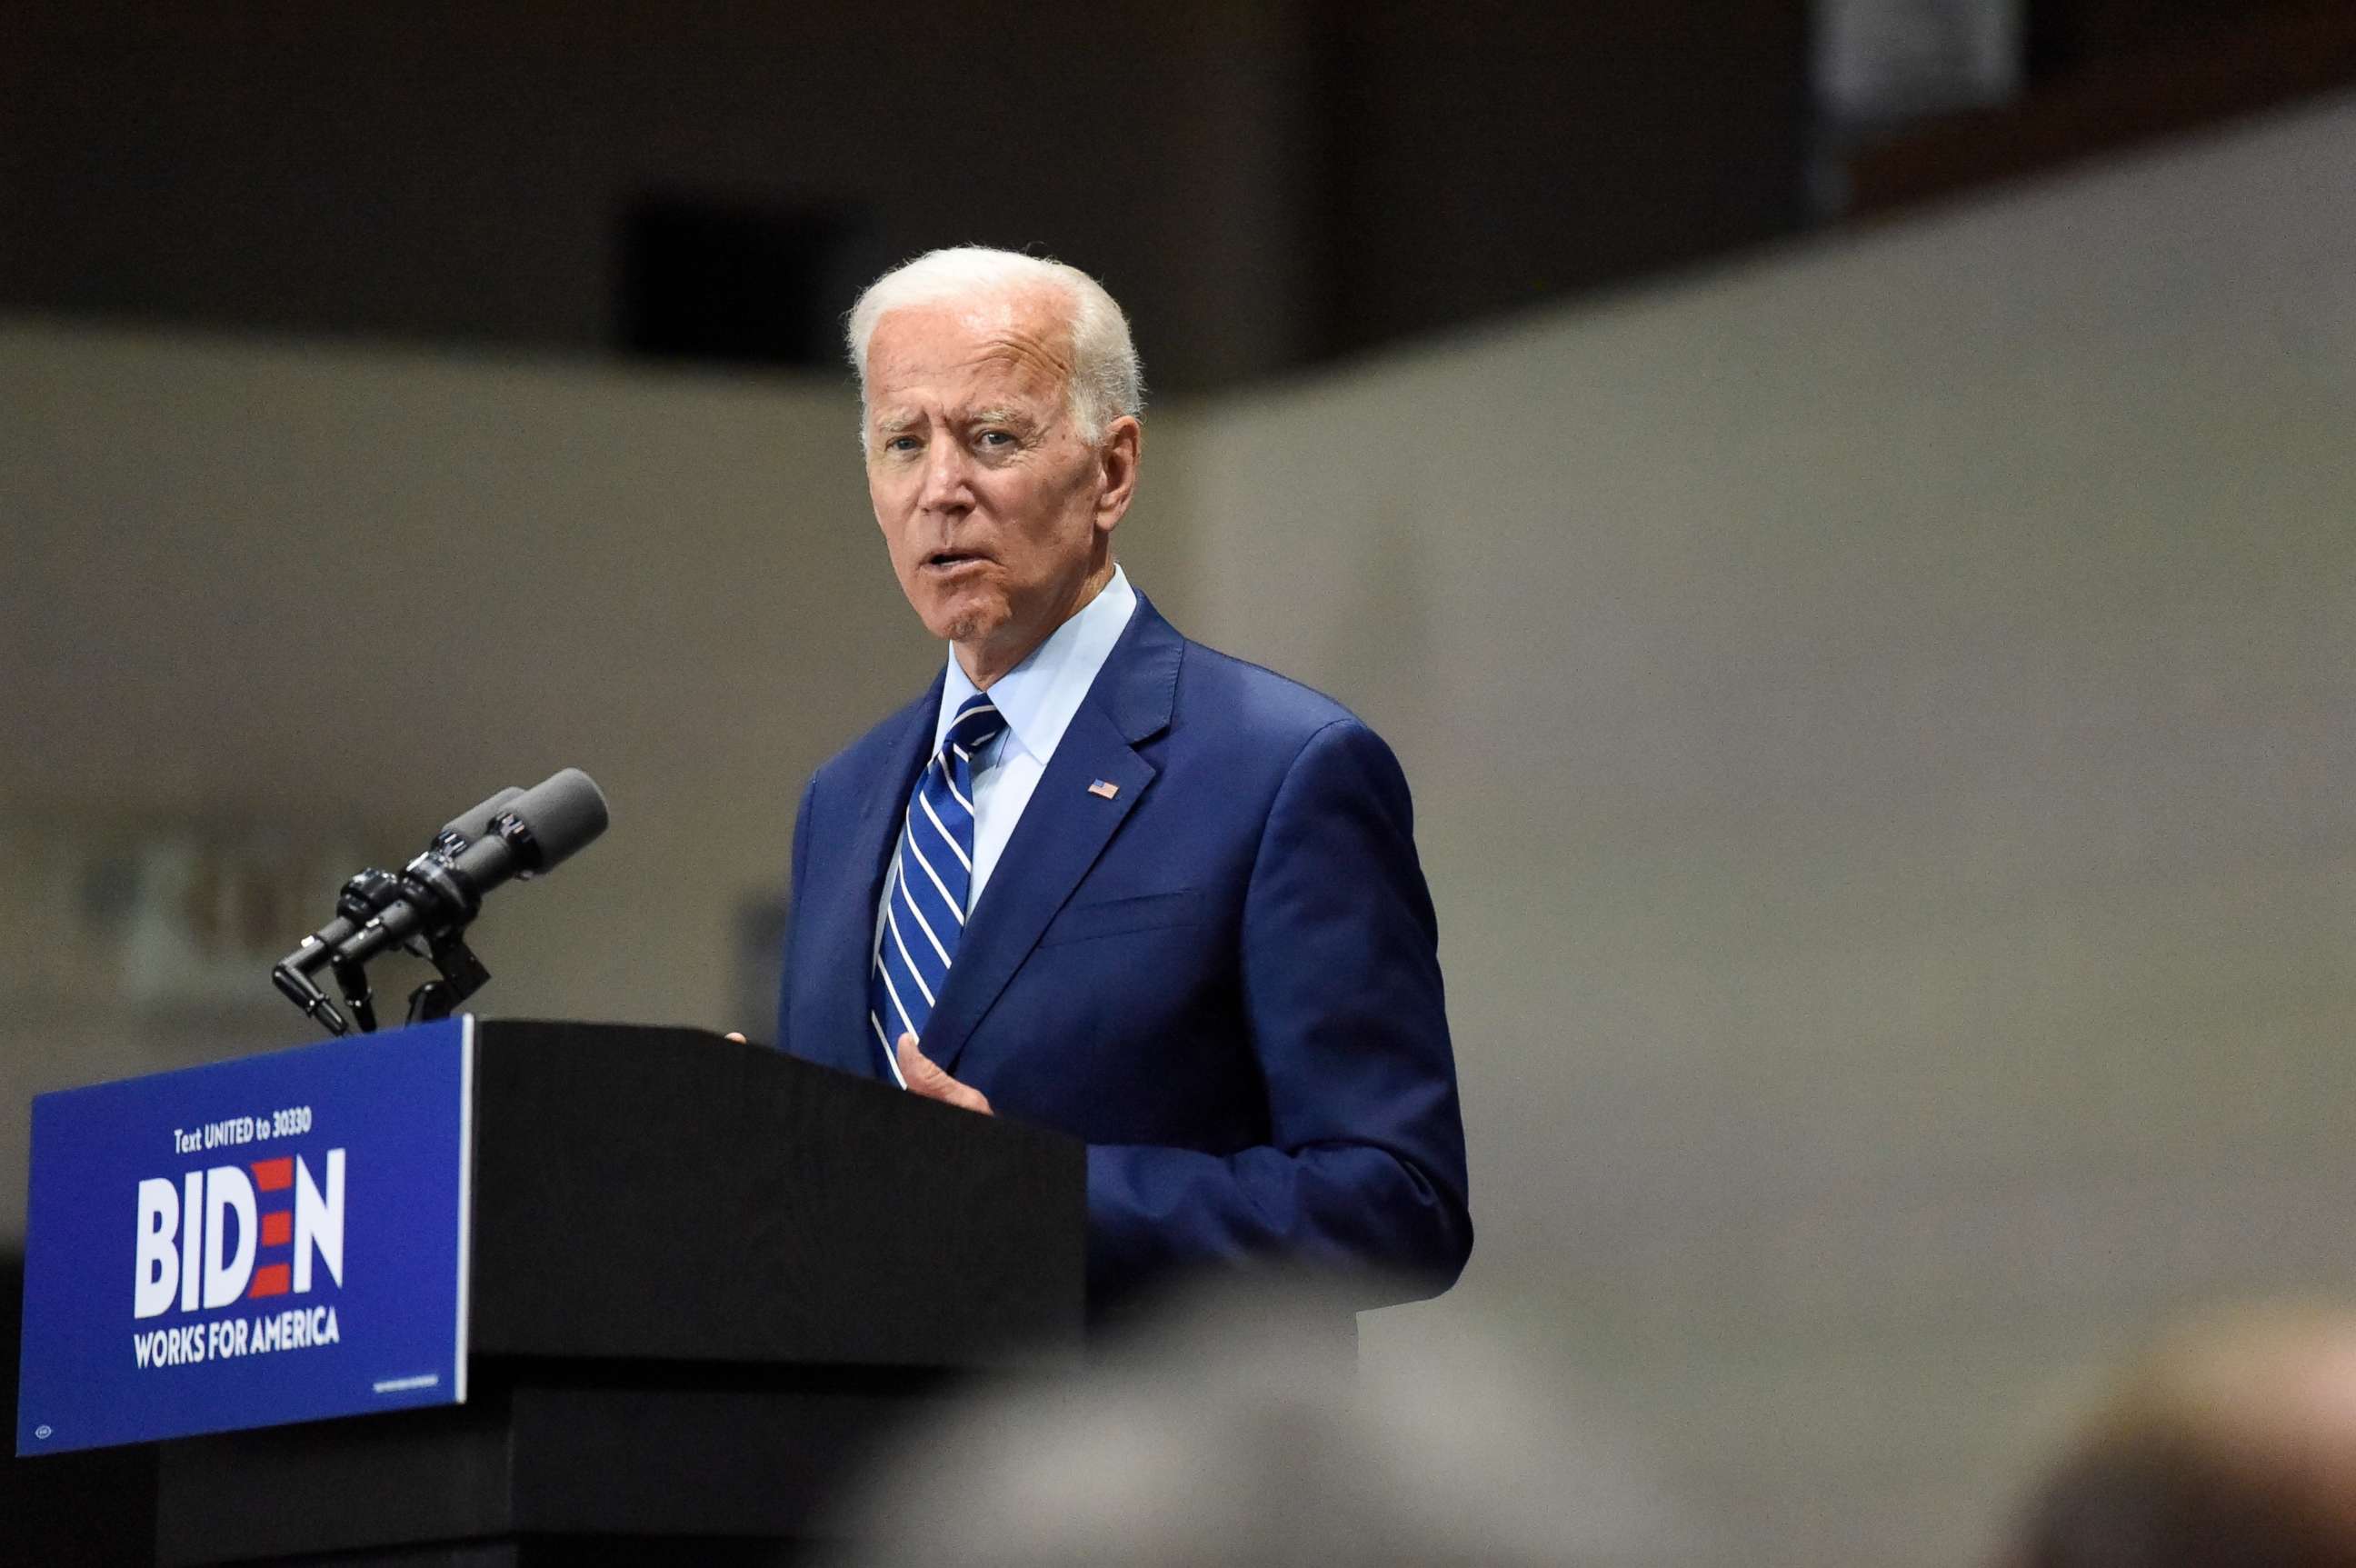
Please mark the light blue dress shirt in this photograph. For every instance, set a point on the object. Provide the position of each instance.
(1037, 698)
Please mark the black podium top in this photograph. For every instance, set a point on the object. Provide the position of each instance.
(664, 1193)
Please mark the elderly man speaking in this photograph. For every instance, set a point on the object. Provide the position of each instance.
(1101, 878)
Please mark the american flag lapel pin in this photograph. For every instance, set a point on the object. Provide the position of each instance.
(1104, 789)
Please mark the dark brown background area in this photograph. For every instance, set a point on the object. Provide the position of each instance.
(1262, 185)
(1266, 184)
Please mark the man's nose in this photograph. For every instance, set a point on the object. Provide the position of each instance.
(946, 473)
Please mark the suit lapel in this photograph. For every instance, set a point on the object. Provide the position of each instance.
(1064, 827)
(848, 914)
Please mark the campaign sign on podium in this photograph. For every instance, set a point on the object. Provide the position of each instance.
(272, 1239)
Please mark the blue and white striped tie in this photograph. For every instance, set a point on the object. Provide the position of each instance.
(931, 875)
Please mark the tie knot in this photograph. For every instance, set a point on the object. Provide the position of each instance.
(976, 726)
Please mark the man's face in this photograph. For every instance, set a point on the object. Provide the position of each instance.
(998, 515)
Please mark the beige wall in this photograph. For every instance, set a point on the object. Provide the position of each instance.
(1881, 722)
(1878, 719)
(330, 586)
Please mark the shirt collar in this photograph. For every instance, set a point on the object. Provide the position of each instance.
(1038, 697)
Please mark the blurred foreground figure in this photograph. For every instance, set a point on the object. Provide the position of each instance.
(1235, 1431)
(2234, 1445)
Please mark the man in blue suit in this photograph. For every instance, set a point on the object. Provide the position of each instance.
(1101, 878)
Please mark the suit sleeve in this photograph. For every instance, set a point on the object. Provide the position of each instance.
(794, 916)
(1364, 1169)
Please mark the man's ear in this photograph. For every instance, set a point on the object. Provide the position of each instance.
(1117, 471)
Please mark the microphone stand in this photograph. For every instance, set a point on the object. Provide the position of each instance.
(463, 974)
(425, 882)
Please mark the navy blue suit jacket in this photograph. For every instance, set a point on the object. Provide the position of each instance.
(1223, 979)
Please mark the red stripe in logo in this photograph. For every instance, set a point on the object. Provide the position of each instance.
(271, 1281)
(272, 1175)
(277, 1229)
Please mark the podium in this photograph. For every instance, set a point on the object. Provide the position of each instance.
(697, 1283)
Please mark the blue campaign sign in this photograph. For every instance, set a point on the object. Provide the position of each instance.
(278, 1237)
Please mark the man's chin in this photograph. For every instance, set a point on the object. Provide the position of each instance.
(964, 622)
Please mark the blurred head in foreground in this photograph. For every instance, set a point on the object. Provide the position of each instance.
(2234, 1443)
(1235, 1431)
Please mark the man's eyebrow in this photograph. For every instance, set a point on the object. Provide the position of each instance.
(895, 419)
(999, 413)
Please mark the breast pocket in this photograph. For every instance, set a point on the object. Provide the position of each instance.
(1119, 917)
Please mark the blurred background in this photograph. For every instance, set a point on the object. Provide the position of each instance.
(1846, 513)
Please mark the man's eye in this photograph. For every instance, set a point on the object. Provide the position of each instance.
(900, 443)
(995, 438)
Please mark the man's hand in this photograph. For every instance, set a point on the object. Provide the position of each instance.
(930, 1081)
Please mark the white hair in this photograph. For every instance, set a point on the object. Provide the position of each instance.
(1107, 380)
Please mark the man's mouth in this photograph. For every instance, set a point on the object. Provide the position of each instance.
(950, 560)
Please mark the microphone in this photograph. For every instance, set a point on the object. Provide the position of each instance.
(524, 834)
(475, 821)
(516, 833)
(371, 892)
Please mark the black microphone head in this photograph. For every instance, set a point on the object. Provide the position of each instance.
(475, 821)
(562, 813)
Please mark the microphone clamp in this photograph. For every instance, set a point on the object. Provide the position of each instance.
(431, 900)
